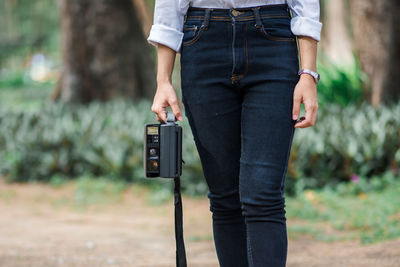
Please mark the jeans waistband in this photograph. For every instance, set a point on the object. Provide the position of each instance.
(237, 14)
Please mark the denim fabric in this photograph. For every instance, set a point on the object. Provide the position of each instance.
(238, 73)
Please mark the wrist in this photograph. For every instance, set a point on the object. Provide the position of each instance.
(164, 80)
(307, 77)
(309, 74)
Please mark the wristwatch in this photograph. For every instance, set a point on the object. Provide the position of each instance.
(315, 75)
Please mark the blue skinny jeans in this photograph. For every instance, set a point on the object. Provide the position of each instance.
(238, 73)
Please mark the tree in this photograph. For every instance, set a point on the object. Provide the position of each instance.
(336, 36)
(104, 50)
(376, 31)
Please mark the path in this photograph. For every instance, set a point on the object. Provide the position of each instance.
(41, 226)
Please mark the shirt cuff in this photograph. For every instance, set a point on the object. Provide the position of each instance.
(306, 26)
(165, 35)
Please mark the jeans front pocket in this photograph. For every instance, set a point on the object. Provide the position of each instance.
(191, 32)
(276, 28)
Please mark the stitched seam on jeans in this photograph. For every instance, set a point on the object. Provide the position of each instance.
(287, 158)
(275, 38)
(248, 17)
(237, 76)
(195, 17)
(284, 5)
(195, 38)
(238, 18)
(232, 54)
(230, 34)
(274, 16)
(250, 248)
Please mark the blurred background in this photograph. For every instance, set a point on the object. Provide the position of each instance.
(77, 79)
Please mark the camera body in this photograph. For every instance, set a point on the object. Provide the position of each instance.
(163, 149)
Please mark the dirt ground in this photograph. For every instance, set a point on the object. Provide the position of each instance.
(41, 226)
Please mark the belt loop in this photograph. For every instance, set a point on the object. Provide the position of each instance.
(184, 21)
(257, 16)
(289, 11)
(206, 18)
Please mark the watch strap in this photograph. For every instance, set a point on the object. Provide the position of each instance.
(314, 74)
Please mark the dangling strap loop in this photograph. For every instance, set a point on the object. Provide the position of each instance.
(256, 11)
(206, 18)
(180, 243)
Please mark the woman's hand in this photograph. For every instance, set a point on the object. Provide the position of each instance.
(165, 96)
(305, 92)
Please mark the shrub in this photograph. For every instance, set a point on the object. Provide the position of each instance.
(357, 140)
(106, 139)
(341, 85)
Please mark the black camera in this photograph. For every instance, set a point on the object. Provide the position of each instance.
(163, 158)
(163, 149)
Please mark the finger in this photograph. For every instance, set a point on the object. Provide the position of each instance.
(155, 110)
(175, 108)
(304, 123)
(305, 120)
(296, 106)
(313, 107)
(310, 108)
(181, 105)
(314, 117)
(162, 114)
(158, 118)
(300, 124)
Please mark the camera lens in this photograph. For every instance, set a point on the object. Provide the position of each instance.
(153, 165)
(153, 151)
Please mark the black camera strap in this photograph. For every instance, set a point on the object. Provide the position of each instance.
(166, 139)
(180, 245)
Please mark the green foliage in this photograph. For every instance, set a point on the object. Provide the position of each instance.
(356, 140)
(72, 140)
(367, 210)
(14, 80)
(340, 84)
(106, 139)
(27, 26)
(21, 80)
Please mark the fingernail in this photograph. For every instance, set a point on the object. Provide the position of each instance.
(180, 118)
(295, 116)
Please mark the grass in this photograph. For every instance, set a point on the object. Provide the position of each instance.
(331, 215)
(97, 190)
(90, 190)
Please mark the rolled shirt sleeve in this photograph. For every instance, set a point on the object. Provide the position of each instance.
(305, 18)
(167, 24)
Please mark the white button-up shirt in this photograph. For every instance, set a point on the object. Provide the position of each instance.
(167, 28)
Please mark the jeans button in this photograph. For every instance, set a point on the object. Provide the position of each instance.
(235, 12)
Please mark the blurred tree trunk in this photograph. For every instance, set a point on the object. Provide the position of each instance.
(376, 31)
(145, 15)
(105, 53)
(336, 37)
